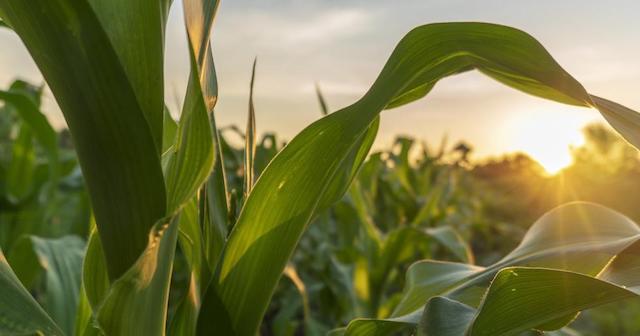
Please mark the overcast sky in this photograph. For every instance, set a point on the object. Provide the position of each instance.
(342, 45)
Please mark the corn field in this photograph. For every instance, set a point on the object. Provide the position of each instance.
(133, 223)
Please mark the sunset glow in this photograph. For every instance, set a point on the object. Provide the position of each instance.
(548, 136)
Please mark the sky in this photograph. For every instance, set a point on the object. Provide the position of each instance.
(343, 44)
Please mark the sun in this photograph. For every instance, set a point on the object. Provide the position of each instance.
(547, 136)
(552, 162)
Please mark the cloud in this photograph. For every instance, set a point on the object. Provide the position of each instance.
(328, 26)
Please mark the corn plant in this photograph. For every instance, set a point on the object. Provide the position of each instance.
(41, 189)
(154, 184)
(44, 210)
(576, 255)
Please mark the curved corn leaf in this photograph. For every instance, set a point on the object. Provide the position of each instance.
(61, 261)
(623, 119)
(112, 132)
(20, 314)
(577, 237)
(298, 180)
(518, 300)
(430, 278)
(523, 298)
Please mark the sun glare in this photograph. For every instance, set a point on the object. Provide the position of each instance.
(547, 136)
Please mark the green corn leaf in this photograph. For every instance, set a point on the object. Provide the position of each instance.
(524, 298)
(169, 131)
(193, 156)
(218, 210)
(84, 315)
(199, 17)
(445, 317)
(430, 278)
(136, 31)
(273, 218)
(115, 133)
(518, 300)
(95, 280)
(577, 237)
(136, 303)
(61, 261)
(20, 314)
(126, 309)
(191, 243)
(250, 138)
(623, 119)
(194, 148)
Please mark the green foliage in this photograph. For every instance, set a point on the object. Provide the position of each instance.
(20, 314)
(155, 184)
(571, 238)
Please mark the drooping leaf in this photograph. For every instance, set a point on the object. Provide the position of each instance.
(523, 298)
(577, 237)
(623, 119)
